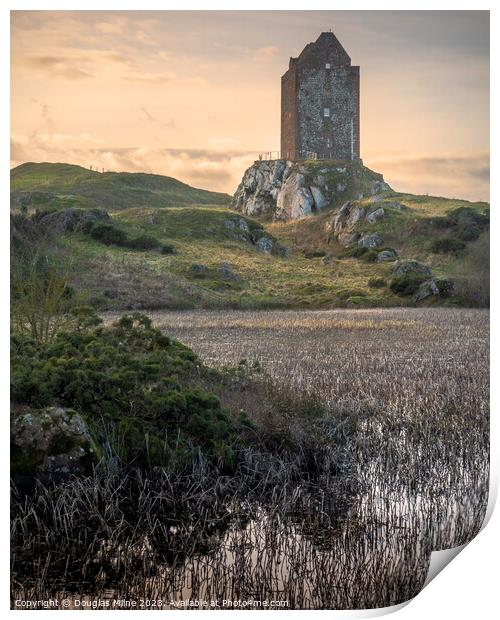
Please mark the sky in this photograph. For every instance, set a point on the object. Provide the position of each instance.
(196, 94)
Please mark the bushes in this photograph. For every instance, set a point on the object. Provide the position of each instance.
(407, 284)
(468, 232)
(355, 251)
(314, 253)
(143, 242)
(465, 224)
(464, 215)
(472, 277)
(147, 386)
(42, 299)
(167, 248)
(108, 234)
(447, 245)
(370, 256)
(445, 286)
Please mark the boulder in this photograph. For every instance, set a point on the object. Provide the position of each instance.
(343, 223)
(236, 230)
(294, 200)
(73, 220)
(51, 444)
(226, 270)
(435, 287)
(319, 199)
(197, 270)
(265, 244)
(386, 256)
(379, 186)
(346, 218)
(243, 225)
(370, 241)
(427, 289)
(403, 267)
(348, 238)
(376, 215)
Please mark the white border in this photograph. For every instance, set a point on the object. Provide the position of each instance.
(466, 588)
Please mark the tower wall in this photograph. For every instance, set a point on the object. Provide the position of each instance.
(289, 123)
(320, 96)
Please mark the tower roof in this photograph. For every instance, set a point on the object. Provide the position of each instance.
(326, 44)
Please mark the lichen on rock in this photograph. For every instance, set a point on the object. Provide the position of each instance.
(51, 444)
(285, 190)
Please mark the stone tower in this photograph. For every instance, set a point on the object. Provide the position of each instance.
(320, 103)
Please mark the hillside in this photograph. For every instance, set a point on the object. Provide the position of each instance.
(211, 256)
(65, 185)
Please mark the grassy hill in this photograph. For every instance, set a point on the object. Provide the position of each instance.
(65, 185)
(211, 266)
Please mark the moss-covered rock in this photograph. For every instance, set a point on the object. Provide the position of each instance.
(53, 443)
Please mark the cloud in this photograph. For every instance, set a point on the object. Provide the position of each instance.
(264, 53)
(150, 78)
(57, 66)
(458, 176)
(220, 169)
(210, 169)
(76, 64)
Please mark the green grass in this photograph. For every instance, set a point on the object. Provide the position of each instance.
(200, 237)
(317, 274)
(410, 230)
(65, 185)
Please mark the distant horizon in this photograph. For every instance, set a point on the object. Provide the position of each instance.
(209, 189)
(88, 85)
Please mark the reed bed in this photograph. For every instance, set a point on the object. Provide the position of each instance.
(415, 381)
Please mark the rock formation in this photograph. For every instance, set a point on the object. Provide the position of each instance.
(343, 227)
(51, 444)
(285, 190)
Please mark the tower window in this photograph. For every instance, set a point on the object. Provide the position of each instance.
(327, 65)
(326, 112)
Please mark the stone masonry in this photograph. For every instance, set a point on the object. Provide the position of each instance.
(320, 103)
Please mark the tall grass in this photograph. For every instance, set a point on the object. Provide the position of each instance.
(394, 467)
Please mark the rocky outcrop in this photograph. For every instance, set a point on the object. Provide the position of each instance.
(252, 232)
(72, 220)
(411, 266)
(51, 444)
(295, 199)
(285, 190)
(376, 215)
(386, 256)
(258, 191)
(342, 226)
(371, 242)
(435, 287)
